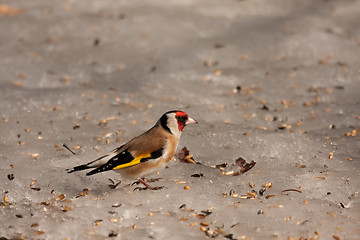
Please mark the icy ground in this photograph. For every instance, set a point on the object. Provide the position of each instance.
(276, 82)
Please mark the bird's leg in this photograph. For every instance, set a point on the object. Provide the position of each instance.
(151, 179)
(113, 184)
(145, 180)
(147, 186)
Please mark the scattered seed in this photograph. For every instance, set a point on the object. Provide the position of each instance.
(134, 226)
(186, 187)
(193, 224)
(198, 175)
(251, 185)
(260, 212)
(34, 155)
(112, 234)
(150, 214)
(207, 212)
(261, 191)
(65, 79)
(276, 206)
(228, 173)
(66, 209)
(331, 214)
(33, 181)
(182, 206)
(251, 194)
(267, 185)
(183, 219)
(114, 220)
(34, 225)
(320, 178)
(98, 222)
(294, 190)
(205, 224)
(116, 205)
(270, 196)
(300, 165)
(201, 216)
(17, 83)
(60, 197)
(5, 199)
(180, 182)
(203, 229)
(57, 108)
(76, 147)
(11, 176)
(39, 232)
(217, 72)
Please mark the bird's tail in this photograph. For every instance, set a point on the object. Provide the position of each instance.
(93, 164)
(78, 168)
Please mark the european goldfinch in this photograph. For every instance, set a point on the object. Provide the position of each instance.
(145, 153)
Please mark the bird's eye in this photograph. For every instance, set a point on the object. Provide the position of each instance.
(181, 119)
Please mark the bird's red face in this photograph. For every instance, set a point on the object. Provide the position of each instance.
(183, 119)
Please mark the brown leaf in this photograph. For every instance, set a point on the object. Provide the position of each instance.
(220, 166)
(244, 167)
(184, 156)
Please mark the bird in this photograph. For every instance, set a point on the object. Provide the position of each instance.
(144, 154)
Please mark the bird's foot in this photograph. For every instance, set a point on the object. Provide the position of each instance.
(114, 184)
(147, 186)
(142, 180)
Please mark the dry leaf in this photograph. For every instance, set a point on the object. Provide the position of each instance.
(184, 156)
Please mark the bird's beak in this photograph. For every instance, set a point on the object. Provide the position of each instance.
(190, 121)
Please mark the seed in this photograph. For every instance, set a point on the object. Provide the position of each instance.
(114, 220)
(251, 194)
(186, 187)
(267, 185)
(217, 72)
(270, 196)
(60, 197)
(229, 173)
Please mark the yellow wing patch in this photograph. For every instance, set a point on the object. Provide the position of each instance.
(133, 162)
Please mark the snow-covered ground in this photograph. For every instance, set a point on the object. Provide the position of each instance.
(275, 82)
